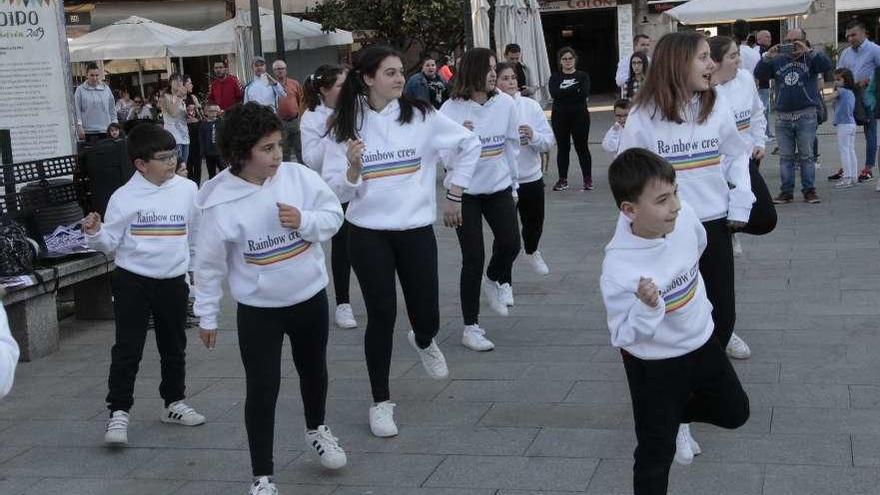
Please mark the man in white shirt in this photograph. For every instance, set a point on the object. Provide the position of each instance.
(641, 43)
(750, 56)
(263, 89)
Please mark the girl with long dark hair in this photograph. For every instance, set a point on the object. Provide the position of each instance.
(570, 89)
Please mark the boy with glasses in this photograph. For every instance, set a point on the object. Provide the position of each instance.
(150, 225)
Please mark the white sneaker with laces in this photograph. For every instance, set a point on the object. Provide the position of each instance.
(432, 358)
(684, 452)
(737, 348)
(117, 428)
(326, 446)
(474, 338)
(536, 261)
(180, 413)
(345, 316)
(737, 246)
(263, 486)
(493, 297)
(505, 293)
(382, 419)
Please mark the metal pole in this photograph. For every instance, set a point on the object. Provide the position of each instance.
(468, 24)
(279, 30)
(141, 79)
(255, 28)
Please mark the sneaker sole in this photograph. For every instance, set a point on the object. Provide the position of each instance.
(387, 435)
(474, 348)
(115, 442)
(346, 326)
(165, 419)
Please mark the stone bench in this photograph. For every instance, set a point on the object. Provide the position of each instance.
(32, 311)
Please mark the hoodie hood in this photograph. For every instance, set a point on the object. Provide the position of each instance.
(625, 239)
(226, 187)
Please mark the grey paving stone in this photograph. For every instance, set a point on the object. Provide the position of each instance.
(614, 477)
(725, 446)
(55, 486)
(229, 488)
(613, 416)
(506, 391)
(604, 371)
(476, 371)
(94, 462)
(513, 472)
(439, 440)
(9, 450)
(598, 393)
(373, 490)
(410, 470)
(404, 388)
(797, 395)
(205, 464)
(866, 449)
(807, 420)
(589, 443)
(864, 396)
(813, 480)
(847, 373)
(16, 486)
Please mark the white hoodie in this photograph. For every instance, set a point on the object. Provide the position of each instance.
(611, 141)
(313, 127)
(529, 160)
(151, 228)
(742, 96)
(397, 188)
(682, 320)
(269, 266)
(707, 157)
(8, 354)
(496, 122)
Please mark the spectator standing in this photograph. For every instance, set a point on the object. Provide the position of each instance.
(94, 107)
(426, 85)
(749, 57)
(208, 139)
(641, 44)
(764, 42)
(513, 55)
(263, 89)
(194, 117)
(289, 111)
(570, 89)
(225, 88)
(123, 105)
(174, 118)
(140, 110)
(638, 69)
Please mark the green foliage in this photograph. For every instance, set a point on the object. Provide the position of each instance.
(433, 25)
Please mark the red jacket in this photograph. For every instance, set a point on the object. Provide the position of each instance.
(225, 92)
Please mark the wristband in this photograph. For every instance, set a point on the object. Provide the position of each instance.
(453, 197)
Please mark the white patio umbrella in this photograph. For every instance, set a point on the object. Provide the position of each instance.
(480, 22)
(131, 38)
(723, 11)
(222, 39)
(506, 21)
(519, 21)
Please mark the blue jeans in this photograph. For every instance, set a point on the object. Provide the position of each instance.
(182, 153)
(795, 138)
(870, 139)
(764, 94)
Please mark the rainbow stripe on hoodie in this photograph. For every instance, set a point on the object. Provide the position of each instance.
(158, 229)
(276, 255)
(391, 169)
(695, 161)
(684, 294)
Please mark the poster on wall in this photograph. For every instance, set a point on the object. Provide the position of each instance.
(35, 80)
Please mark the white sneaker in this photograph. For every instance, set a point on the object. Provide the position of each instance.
(505, 293)
(432, 358)
(326, 446)
(737, 348)
(180, 413)
(844, 184)
(474, 338)
(382, 419)
(493, 297)
(117, 428)
(737, 246)
(263, 486)
(536, 261)
(345, 316)
(684, 452)
(877, 187)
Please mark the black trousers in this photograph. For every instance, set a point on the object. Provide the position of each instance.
(500, 214)
(215, 165)
(762, 219)
(194, 160)
(340, 265)
(376, 256)
(716, 266)
(135, 298)
(700, 386)
(261, 334)
(531, 213)
(572, 123)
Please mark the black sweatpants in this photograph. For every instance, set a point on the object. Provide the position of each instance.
(215, 165)
(500, 214)
(135, 298)
(260, 337)
(572, 123)
(340, 265)
(762, 219)
(716, 266)
(531, 213)
(700, 386)
(376, 256)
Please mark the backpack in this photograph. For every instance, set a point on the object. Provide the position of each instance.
(859, 112)
(17, 253)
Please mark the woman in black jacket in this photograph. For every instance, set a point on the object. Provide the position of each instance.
(570, 119)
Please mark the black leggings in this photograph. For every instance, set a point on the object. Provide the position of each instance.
(260, 338)
(762, 219)
(531, 213)
(376, 256)
(500, 214)
(339, 262)
(572, 123)
(716, 266)
(215, 165)
(700, 386)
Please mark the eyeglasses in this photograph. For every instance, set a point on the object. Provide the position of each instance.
(167, 158)
(567, 59)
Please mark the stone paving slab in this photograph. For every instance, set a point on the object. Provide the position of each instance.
(546, 413)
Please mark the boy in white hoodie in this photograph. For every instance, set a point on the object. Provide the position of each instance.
(660, 318)
(150, 225)
(262, 228)
(611, 141)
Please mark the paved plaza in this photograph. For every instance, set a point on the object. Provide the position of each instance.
(547, 412)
